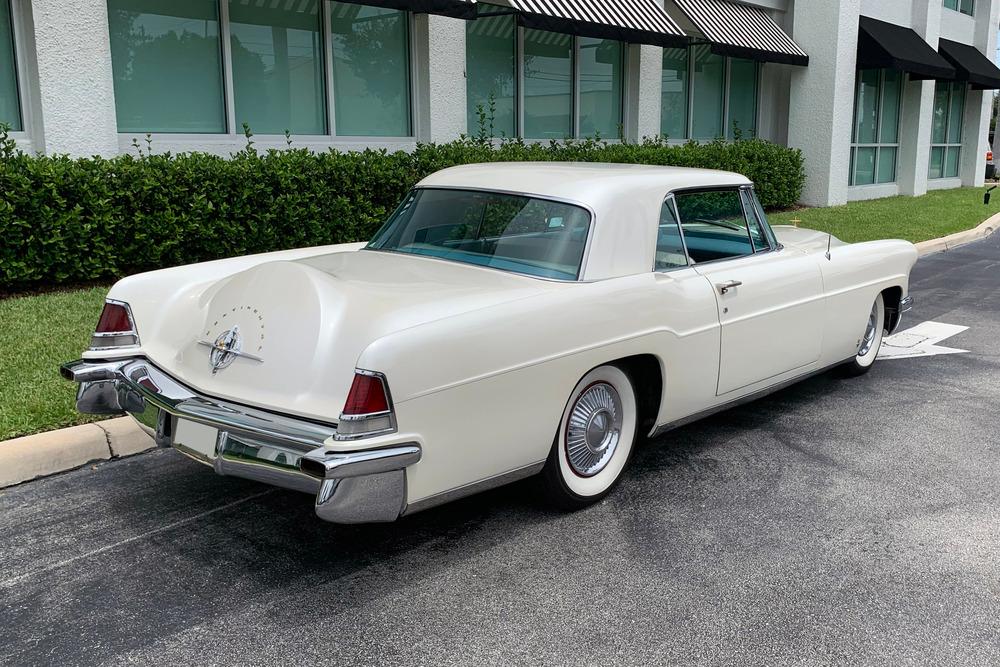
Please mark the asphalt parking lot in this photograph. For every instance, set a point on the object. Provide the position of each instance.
(839, 521)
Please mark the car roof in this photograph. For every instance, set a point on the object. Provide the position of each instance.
(589, 183)
(626, 201)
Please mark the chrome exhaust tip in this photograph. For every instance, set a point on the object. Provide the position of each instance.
(85, 371)
(326, 464)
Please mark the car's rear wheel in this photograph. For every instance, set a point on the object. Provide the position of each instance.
(871, 341)
(595, 441)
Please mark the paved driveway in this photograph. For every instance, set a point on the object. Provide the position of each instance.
(839, 521)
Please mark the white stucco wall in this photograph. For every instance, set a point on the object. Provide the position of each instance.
(442, 115)
(75, 85)
(645, 86)
(822, 101)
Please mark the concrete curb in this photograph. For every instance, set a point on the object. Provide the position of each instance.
(961, 238)
(33, 456)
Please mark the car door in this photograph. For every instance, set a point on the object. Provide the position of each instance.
(769, 298)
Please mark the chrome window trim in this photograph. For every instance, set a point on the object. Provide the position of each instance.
(557, 200)
(745, 193)
(672, 201)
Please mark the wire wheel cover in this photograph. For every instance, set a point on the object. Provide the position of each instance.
(594, 429)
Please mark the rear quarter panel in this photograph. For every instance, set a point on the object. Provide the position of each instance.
(484, 392)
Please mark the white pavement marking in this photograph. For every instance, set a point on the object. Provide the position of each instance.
(921, 341)
(176, 524)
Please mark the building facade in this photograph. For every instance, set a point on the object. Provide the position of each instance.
(883, 97)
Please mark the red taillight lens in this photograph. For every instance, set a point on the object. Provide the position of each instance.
(367, 396)
(368, 410)
(114, 319)
(989, 156)
(115, 328)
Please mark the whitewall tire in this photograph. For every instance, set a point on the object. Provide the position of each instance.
(871, 340)
(596, 436)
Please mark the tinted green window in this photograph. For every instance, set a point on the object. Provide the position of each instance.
(167, 65)
(548, 85)
(490, 50)
(964, 6)
(278, 68)
(937, 162)
(601, 82)
(951, 159)
(371, 70)
(866, 107)
(864, 166)
(742, 98)
(707, 88)
(886, 165)
(939, 130)
(892, 85)
(956, 114)
(10, 108)
(674, 94)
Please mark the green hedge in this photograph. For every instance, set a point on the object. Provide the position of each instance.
(65, 220)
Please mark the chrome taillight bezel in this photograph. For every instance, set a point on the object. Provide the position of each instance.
(359, 427)
(103, 341)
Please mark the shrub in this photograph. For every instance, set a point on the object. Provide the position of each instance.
(65, 220)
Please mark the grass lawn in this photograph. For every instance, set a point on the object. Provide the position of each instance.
(37, 333)
(915, 219)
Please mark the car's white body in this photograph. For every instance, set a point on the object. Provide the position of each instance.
(481, 362)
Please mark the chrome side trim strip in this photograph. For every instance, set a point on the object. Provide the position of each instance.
(749, 398)
(476, 487)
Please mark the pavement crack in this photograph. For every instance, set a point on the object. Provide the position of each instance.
(107, 439)
(9, 583)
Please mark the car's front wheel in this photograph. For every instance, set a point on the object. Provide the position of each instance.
(870, 343)
(595, 441)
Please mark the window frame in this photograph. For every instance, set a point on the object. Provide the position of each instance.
(519, 31)
(739, 190)
(234, 133)
(21, 80)
(672, 201)
(958, 7)
(877, 146)
(949, 145)
(727, 86)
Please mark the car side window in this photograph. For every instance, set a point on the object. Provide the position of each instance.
(669, 242)
(761, 242)
(714, 224)
(763, 218)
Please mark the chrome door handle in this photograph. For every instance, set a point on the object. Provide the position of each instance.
(726, 286)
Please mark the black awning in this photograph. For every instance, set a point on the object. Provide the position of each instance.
(884, 45)
(634, 21)
(971, 64)
(459, 9)
(741, 31)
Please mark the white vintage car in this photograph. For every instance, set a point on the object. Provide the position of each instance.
(508, 320)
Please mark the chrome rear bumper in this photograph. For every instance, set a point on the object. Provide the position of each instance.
(350, 487)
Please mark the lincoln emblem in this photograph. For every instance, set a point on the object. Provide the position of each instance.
(226, 349)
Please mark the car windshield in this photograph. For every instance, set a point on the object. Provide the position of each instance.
(513, 233)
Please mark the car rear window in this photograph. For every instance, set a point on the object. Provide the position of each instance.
(514, 233)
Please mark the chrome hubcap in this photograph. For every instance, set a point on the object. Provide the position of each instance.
(594, 429)
(870, 332)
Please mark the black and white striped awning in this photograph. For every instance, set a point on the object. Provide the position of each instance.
(460, 9)
(742, 31)
(634, 21)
